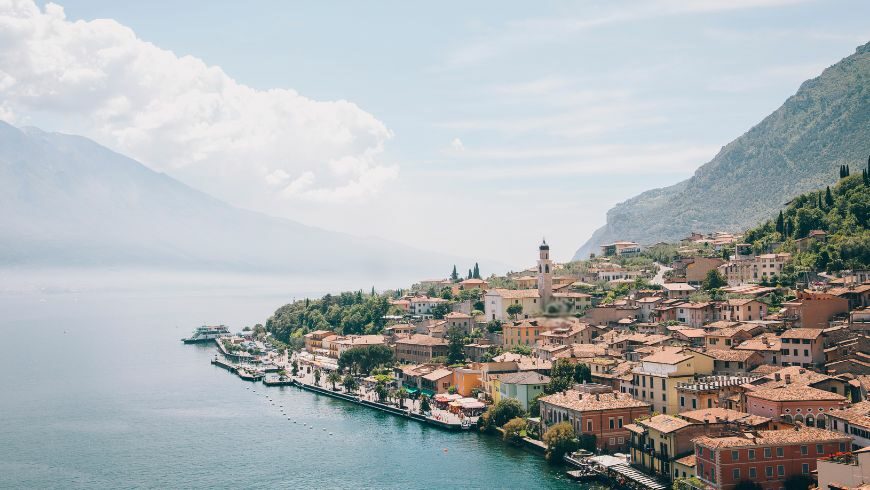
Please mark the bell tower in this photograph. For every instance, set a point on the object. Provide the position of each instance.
(545, 275)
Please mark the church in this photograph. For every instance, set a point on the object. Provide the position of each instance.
(536, 302)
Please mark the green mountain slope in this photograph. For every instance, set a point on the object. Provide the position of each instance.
(796, 149)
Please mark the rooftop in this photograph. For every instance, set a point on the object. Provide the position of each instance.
(587, 402)
(524, 378)
(420, 339)
(718, 414)
(798, 435)
(794, 393)
(664, 423)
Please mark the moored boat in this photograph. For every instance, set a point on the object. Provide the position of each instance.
(206, 333)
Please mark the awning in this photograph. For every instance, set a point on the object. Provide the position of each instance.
(411, 391)
(426, 392)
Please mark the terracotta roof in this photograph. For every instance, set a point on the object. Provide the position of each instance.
(686, 461)
(438, 374)
(795, 393)
(801, 333)
(798, 435)
(740, 301)
(457, 314)
(664, 423)
(524, 378)
(669, 357)
(587, 402)
(515, 293)
(857, 414)
(420, 339)
(724, 415)
(773, 343)
(678, 286)
(730, 355)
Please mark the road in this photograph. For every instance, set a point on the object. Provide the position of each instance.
(660, 275)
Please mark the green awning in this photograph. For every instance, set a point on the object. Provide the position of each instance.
(428, 393)
(410, 390)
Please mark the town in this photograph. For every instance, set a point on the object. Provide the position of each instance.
(708, 363)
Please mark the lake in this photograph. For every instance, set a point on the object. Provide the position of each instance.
(98, 391)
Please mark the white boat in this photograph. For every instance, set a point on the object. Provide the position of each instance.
(207, 333)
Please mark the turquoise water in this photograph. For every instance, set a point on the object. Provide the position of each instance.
(98, 391)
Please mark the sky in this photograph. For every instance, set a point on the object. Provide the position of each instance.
(471, 128)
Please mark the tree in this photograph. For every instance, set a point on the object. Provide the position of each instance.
(713, 280)
(499, 414)
(349, 383)
(381, 390)
(513, 430)
(747, 485)
(521, 349)
(582, 373)
(454, 276)
(560, 439)
(514, 310)
(424, 404)
(829, 199)
(295, 366)
(401, 396)
(333, 378)
(469, 274)
(561, 376)
(317, 377)
(801, 482)
(690, 483)
(476, 273)
(780, 223)
(439, 310)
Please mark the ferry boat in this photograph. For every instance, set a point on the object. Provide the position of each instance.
(206, 334)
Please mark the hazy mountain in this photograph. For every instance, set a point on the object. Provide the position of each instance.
(67, 201)
(798, 148)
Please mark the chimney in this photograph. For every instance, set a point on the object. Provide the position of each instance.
(776, 376)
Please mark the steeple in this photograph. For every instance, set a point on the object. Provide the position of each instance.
(545, 275)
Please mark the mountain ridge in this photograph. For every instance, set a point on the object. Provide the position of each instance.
(825, 124)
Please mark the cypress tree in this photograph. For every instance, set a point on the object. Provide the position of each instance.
(454, 276)
(829, 199)
(780, 223)
(847, 170)
(470, 275)
(820, 200)
(476, 271)
(841, 171)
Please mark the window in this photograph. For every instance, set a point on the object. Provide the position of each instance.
(735, 455)
(663, 384)
(820, 449)
(682, 401)
(769, 471)
(842, 446)
(805, 450)
(620, 424)
(752, 473)
(751, 454)
(780, 470)
(612, 423)
(736, 474)
(664, 397)
(780, 452)
(588, 426)
(701, 452)
(694, 403)
(767, 453)
(805, 468)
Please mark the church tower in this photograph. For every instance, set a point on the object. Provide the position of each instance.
(545, 275)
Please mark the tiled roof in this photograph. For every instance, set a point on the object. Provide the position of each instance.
(798, 435)
(678, 286)
(795, 393)
(757, 343)
(420, 339)
(585, 402)
(857, 414)
(724, 415)
(438, 374)
(515, 293)
(730, 355)
(664, 423)
(669, 357)
(801, 333)
(687, 461)
(524, 378)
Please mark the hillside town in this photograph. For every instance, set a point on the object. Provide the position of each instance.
(704, 371)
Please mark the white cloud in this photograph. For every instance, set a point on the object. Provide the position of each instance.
(457, 144)
(179, 115)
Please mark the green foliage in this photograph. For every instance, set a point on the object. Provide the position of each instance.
(514, 430)
(333, 378)
(560, 439)
(588, 441)
(365, 358)
(349, 383)
(455, 353)
(582, 373)
(424, 404)
(691, 483)
(521, 349)
(845, 220)
(317, 377)
(561, 376)
(798, 482)
(500, 413)
(454, 276)
(494, 326)
(713, 280)
(347, 313)
(438, 311)
(514, 310)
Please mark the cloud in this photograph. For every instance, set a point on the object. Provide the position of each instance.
(180, 115)
(457, 145)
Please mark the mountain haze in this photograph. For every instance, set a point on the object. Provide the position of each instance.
(67, 201)
(797, 148)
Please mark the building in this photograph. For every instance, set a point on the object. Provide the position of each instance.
(603, 415)
(314, 341)
(423, 305)
(803, 404)
(765, 267)
(853, 422)
(522, 386)
(474, 283)
(802, 347)
(655, 380)
(496, 302)
(695, 314)
(523, 332)
(727, 361)
(858, 295)
(659, 440)
(697, 269)
(845, 471)
(767, 457)
(725, 338)
(711, 392)
(768, 345)
(462, 321)
(620, 249)
(467, 380)
(814, 310)
(419, 349)
(678, 290)
(338, 345)
(545, 275)
(742, 310)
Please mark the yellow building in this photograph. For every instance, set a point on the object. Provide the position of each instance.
(523, 332)
(655, 380)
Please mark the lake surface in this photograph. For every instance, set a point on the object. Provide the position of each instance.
(98, 391)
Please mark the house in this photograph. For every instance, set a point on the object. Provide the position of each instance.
(695, 314)
(678, 290)
(853, 422)
(314, 341)
(655, 380)
(858, 295)
(727, 361)
(727, 416)
(620, 249)
(804, 244)
(803, 404)
(473, 283)
(428, 379)
(846, 471)
(741, 310)
(522, 386)
(497, 301)
(419, 348)
(462, 321)
(696, 337)
(725, 338)
(341, 344)
(477, 352)
(569, 333)
(768, 345)
(802, 347)
(602, 415)
(522, 332)
(712, 392)
(467, 380)
(608, 314)
(767, 457)
(656, 442)
(814, 309)
(647, 305)
(697, 269)
(423, 305)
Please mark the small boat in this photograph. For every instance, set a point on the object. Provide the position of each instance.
(206, 333)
